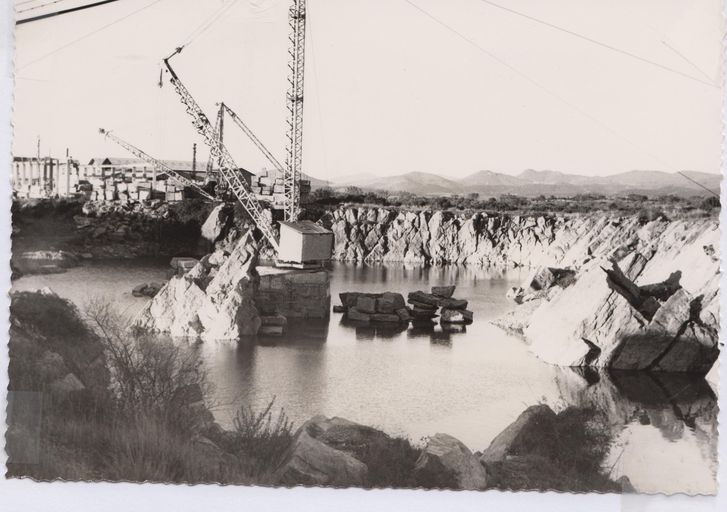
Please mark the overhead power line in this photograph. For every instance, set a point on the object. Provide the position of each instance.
(85, 36)
(598, 43)
(64, 11)
(698, 184)
(540, 86)
(207, 24)
(38, 6)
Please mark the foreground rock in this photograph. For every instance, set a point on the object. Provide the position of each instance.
(312, 460)
(214, 300)
(523, 435)
(445, 455)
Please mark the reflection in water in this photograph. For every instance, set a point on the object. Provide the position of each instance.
(468, 382)
(664, 426)
(439, 334)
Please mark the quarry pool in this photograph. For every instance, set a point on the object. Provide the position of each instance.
(470, 383)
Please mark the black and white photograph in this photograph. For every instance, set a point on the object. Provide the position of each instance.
(463, 245)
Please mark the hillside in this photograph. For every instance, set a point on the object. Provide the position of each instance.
(534, 183)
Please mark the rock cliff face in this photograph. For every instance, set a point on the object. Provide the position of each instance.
(657, 308)
(214, 300)
(382, 235)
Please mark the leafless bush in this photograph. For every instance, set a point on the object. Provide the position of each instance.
(150, 375)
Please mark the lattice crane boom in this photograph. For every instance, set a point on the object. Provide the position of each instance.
(219, 134)
(251, 135)
(156, 163)
(291, 179)
(228, 167)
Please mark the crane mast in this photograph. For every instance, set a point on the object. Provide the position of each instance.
(228, 167)
(156, 163)
(291, 178)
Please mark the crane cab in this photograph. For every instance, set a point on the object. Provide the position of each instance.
(304, 244)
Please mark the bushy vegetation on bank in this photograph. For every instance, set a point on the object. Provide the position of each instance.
(94, 400)
(648, 206)
(569, 456)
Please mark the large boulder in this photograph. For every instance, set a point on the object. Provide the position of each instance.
(209, 301)
(420, 297)
(67, 385)
(547, 277)
(674, 340)
(446, 459)
(389, 303)
(523, 435)
(215, 227)
(312, 458)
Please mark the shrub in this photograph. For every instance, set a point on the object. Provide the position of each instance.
(710, 203)
(150, 375)
(260, 439)
(650, 214)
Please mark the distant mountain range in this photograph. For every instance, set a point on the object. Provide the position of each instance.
(534, 183)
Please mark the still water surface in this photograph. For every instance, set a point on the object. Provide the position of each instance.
(418, 381)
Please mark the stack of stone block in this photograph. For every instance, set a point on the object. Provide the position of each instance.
(391, 307)
(425, 306)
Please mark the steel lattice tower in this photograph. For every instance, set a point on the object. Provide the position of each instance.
(294, 157)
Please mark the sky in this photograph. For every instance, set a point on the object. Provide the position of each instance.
(392, 86)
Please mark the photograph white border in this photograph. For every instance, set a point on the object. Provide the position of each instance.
(27, 496)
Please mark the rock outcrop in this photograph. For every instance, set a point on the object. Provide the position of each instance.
(437, 237)
(42, 357)
(214, 300)
(445, 454)
(521, 436)
(217, 223)
(130, 229)
(651, 304)
(312, 458)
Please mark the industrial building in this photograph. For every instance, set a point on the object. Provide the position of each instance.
(104, 179)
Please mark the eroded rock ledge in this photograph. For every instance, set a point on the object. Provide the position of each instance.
(438, 237)
(649, 304)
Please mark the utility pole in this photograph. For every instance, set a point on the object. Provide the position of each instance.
(38, 148)
(194, 159)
